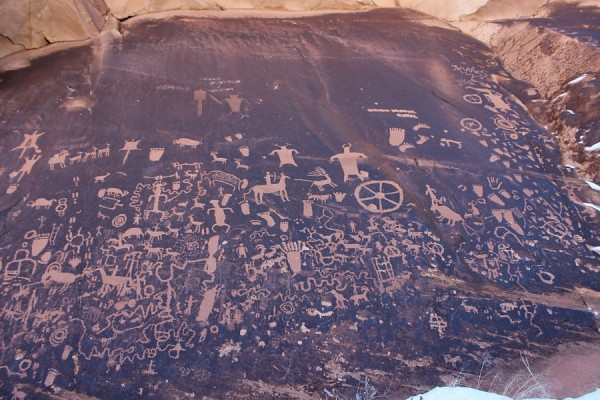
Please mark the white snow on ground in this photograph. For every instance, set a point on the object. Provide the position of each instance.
(593, 185)
(590, 396)
(457, 393)
(460, 393)
(593, 147)
(577, 80)
(595, 207)
(559, 96)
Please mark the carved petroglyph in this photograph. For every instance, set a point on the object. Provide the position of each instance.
(29, 142)
(121, 284)
(286, 156)
(101, 178)
(217, 159)
(445, 214)
(155, 154)
(196, 225)
(400, 113)
(128, 147)
(172, 258)
(186, 142)
(58, 159)
(41, 203)
(235, 104)
(349, 163)
(397, 137)
(240, 165)
(25, 169)
(200, 97)
(452, 360)
(293, 255)
(102, 152)
(444, 142)
(225, 178)
(438, 324)
(323, 179)
(54, 274)
(271, 188)
(219, 214)
(379, 196)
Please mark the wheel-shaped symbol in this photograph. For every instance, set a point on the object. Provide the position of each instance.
(379, 196)
(471, 124)
(473, 98)
(505, 123)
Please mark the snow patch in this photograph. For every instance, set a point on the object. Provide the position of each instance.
(595, 207)
(559, 96)
(457, 393)
(461, 393)
(590, 396)
(593, 147)
(577, 80)
(593, 185)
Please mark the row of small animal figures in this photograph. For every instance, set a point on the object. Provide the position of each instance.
(63, 157)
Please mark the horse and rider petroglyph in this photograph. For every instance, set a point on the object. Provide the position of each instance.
(278, 188)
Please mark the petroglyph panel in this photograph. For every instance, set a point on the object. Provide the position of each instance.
(237, 216)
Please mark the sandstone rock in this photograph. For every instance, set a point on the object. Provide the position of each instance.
(449, 10)
(123, 8)
(426, 221)
(70, 20)
(34, 23)
(20, 22)
(543, 57)
(127, 8)
(502, 9)
(8, 47)
(549, 53)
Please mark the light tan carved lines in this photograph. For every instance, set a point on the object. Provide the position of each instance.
(280, 188)
(349, 163)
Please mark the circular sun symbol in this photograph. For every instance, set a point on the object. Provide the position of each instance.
(119, 220)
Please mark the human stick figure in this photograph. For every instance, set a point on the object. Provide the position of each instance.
(349, 162)
(219, 213)
(26, 167)
(286, 156)
(29, 142)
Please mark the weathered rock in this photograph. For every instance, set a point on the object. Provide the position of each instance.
(548, 52)
(8, 47)
(543, 57)
(126, 8)
(35, 23)
(575, 116)
(265, 208)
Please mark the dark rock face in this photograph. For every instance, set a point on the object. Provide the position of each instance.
(264, 208)
(550, 53)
